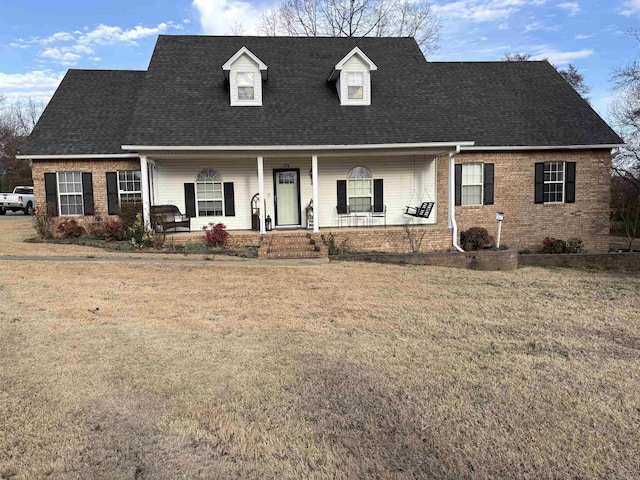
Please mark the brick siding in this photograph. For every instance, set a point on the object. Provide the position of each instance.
(527, 223)
(98, 167)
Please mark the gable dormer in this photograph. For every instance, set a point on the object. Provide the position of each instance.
(245, 73)
(352, 75)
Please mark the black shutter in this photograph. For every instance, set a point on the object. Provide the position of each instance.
(458, 182)
(51, 192)
(539, 190)
(229, 200)
(112, 193)
(488, 184)
(570, 183)
(378, 196)
(342, 196)
(190, 199)
(87, 192)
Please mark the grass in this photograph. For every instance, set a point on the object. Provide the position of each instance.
(346, 370)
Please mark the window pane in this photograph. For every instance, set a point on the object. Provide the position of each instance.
(355, 79)
(472, 174)
(245, 79)
(245, 93)
(360, 204)
(472, 195)
(355, 93)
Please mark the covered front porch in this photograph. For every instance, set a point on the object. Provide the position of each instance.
(318, 191)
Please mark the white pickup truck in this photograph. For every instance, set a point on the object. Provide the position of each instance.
(20, 200)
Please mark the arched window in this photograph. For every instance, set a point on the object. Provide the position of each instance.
(209, 194)
(360, 190)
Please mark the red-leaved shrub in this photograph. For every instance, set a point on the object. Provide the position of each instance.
(114, 230)
(216, 235)
(70, 227)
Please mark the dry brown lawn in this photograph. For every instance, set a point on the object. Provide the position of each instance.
(345, 370)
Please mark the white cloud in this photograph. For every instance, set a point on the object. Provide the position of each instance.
(572, 7)
(556, 57)
(34, 79)
(67, 48)
(219, 17)
(582, 36)
(630, 7)
(57, 37)
(60, 56)
(480, 10)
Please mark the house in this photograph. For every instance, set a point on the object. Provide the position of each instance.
(359, 128)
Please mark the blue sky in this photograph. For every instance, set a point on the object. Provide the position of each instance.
(41, 39)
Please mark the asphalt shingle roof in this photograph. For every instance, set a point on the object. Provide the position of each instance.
(183, 100)
(89, 113)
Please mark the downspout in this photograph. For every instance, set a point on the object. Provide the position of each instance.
(451, 199)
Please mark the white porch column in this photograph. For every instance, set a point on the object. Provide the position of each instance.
(316, 202)
(146, 196)
(261, 193)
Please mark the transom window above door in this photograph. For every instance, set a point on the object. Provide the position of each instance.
(286, 177)
(209, 194)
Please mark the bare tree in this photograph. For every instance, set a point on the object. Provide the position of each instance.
(626, 113)
(16, 122)
(516, 57)
(355, 18)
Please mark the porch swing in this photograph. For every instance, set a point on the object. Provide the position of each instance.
(424, 209)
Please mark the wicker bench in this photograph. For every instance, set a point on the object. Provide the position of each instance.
(165, 217)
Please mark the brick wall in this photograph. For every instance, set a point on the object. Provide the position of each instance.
(98, 167)
(527, 223)
(392, 239)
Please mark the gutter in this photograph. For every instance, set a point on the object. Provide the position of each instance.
(452, 207)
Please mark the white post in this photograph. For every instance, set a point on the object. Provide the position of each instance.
(316, 202)
(499, 232)
(144, 180)
(261, 193)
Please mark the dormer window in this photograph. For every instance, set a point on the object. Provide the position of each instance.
(352, 76)
(246, 89)
(245, 73)
(355, 85)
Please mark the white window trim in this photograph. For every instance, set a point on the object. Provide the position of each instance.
(257, 88)
(462, 185)
(120, 191)
(344, 86)
(370, 196)
(548, 182)
(67, 194)
(209, 200)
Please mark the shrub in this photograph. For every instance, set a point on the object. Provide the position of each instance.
(96, 227)
(114, 230)
(216, 235)
(70, 227)
(553, 245)
(335, 248)
(475, 238)
(43, 223)
(128, 213)
(574, 245)
(138, 235)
